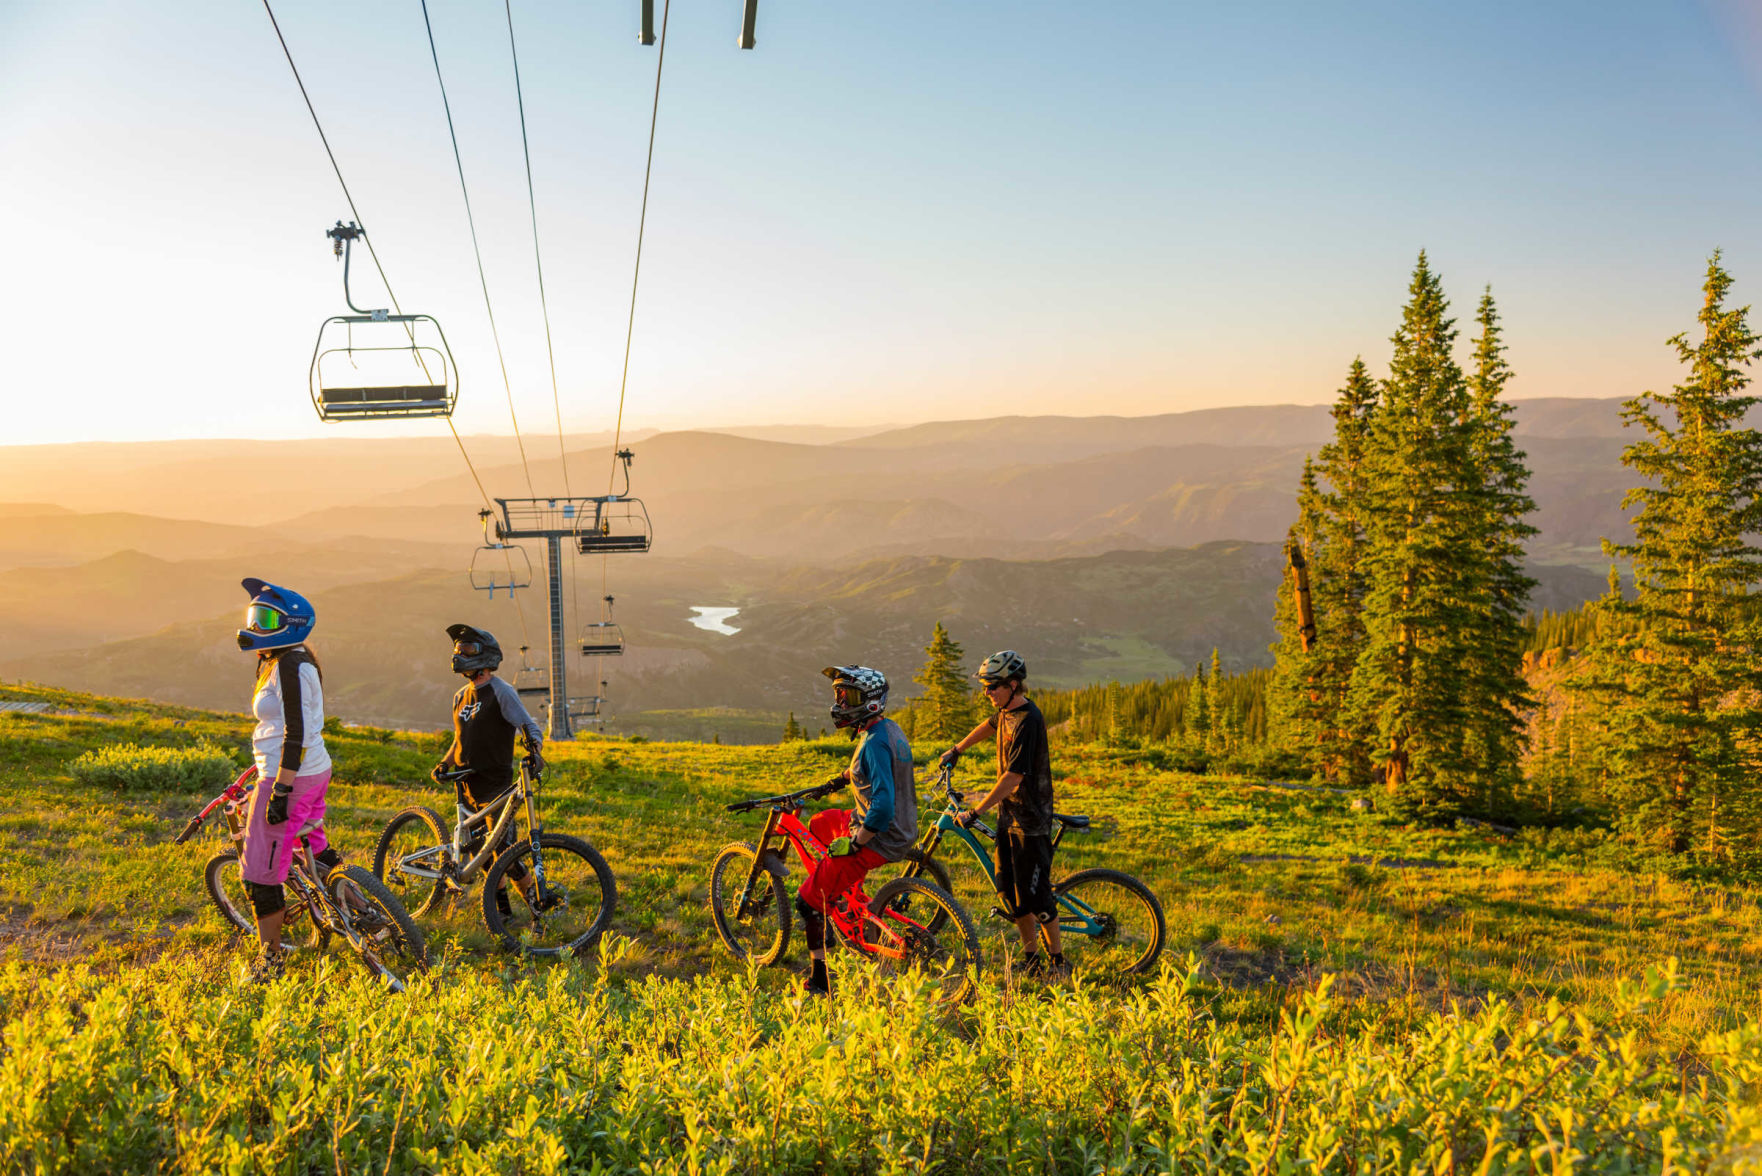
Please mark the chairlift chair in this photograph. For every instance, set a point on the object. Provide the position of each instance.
(614, 523)
(403, 368)
(498, 566)
(531, 681)
(602, 638)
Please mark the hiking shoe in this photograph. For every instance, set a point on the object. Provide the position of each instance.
(818, 983)
(267, 968)
(1033, 966)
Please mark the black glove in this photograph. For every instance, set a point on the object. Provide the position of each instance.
(434, 773)
(965, 820)
(277, 812)
(535, 764)
(950, 758)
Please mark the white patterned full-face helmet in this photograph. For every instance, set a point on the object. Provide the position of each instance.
(858, 694)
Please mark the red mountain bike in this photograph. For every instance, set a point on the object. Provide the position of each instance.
(349, 901)
(750, 901)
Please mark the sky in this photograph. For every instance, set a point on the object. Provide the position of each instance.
(883, 213)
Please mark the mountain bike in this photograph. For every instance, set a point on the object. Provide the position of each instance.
(1110, 923)
(350, 902)
(566, 890)
(750, 900)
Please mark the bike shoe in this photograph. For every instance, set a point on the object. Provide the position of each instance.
(267, 968)
(1033, 966)
(817, 983)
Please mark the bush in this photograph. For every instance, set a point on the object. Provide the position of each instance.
(127, 766)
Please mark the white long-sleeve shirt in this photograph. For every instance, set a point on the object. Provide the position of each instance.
(289, 707)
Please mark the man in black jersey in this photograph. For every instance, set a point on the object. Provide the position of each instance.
(1023, 797)
(487, 716)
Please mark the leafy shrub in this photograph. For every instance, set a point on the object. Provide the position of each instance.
(162, 1068)
(127, 766)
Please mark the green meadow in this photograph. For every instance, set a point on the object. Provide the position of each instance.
(1340, 992)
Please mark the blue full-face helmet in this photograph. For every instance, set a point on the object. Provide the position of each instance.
(276, 617)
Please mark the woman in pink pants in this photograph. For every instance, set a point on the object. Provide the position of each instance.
(293, 768)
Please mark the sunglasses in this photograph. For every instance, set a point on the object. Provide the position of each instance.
(261, 618)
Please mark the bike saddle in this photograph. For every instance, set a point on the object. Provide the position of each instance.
(1078, 823)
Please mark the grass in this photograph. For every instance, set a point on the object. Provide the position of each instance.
(1431, 937)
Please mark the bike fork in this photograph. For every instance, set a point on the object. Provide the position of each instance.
(533, 829)
(752, 875)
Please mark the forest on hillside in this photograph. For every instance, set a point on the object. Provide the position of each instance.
(1411, 660)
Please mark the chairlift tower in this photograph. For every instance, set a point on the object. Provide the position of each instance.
(598, 523)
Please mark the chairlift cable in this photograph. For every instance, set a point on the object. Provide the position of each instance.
(477, 252)
(641, 225)
(337, 168)
(537, 255)
(371, 252)
(543, 303)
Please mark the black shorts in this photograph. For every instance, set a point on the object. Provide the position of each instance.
(1024, 872)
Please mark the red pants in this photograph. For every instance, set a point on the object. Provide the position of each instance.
(832, 876)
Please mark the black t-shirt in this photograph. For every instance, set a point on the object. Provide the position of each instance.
(485, 722)
(1022, 748)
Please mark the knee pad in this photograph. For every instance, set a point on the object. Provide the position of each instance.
(806, 910)
(266, 897)
(328, 860)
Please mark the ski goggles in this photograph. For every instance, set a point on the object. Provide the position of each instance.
(467, 648)
(845, 695)
(263, 618)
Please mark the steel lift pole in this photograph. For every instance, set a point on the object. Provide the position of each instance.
(559, 669)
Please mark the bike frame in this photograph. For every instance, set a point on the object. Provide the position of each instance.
(309, 895)
(849, 912)
(1076, 917)
(436, 862)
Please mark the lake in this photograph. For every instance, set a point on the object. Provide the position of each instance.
(714, 619)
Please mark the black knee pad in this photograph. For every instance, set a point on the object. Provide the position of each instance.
(813, 922)
(327, 861)
(266, 898)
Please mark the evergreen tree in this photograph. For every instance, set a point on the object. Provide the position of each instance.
(1309, 696)
(946, 710)
(1407, 692)
(793, 732)
(1684, 677)
(1494, 579)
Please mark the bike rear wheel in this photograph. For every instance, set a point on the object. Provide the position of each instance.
(903, 940)
(415, 836)
(576, 909)
(1110, 923)
(383, 934)
(762, 936)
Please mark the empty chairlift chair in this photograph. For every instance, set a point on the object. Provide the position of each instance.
(497, 566)
(532, 683)
(374, 364)
(611, 524)
(602, 638)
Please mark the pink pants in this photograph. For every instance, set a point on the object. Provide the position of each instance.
(269, 849)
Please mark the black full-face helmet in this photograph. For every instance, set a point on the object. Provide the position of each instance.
(474, 649)
(858, 694)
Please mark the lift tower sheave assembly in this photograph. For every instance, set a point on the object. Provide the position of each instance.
(614, 522)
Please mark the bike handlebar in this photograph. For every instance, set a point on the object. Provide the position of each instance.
(788, 799)
(189, 831)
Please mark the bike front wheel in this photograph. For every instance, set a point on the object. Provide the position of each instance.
(1110, 923)
(762, 934)
(575, 908)
(412, 841)
(377, 925)
(916, 865)
(227, 890)
(898, 934)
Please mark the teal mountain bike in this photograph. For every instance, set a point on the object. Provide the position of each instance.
(1110, 922)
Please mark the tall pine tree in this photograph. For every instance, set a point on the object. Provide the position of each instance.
(946, 710)
(1498, 506)
(1407, 692)
(1681, 662)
